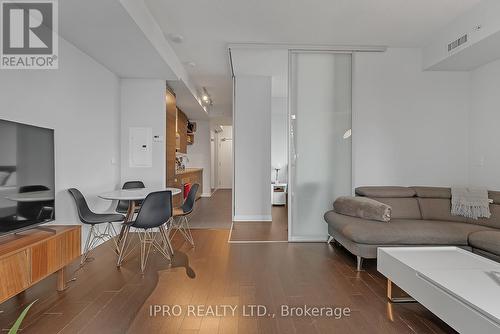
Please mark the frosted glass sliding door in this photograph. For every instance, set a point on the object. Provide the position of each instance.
(320, 139)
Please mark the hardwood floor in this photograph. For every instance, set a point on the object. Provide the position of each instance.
(277, 230)
(105, 299)
(213, 212)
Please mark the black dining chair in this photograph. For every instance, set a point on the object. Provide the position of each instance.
(181, 215)
(122, 206)
(155, 212)
(94, 220)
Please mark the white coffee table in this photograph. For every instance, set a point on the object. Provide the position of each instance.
(461, 288)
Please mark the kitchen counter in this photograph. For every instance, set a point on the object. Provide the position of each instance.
(192, 176)
(188, 170)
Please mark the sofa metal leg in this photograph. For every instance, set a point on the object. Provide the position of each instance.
(359, 263)
(330, 238)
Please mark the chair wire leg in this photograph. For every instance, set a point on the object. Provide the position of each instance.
(86, 248)
(110, 234)
(187, 230)
(168, 245)
(174, 227)
(147, 239)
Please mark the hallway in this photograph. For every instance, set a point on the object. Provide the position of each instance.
(213, 212)
(277, 230)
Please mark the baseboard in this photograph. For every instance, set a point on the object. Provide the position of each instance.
(312, 238)
(206, 194)
(253, 218)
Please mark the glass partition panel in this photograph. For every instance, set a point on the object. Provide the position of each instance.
(320, 138)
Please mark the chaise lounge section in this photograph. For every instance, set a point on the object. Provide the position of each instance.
(421, 216)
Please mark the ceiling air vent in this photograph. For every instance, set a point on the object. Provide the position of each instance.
(456, 43)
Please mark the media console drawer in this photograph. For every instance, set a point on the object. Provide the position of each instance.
(30, 256)
(14, 273)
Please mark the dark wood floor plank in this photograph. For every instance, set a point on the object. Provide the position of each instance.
(105, 299)
(275, 230)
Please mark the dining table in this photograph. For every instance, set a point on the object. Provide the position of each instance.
(133, 197)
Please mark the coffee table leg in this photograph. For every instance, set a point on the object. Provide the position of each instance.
(397, 299)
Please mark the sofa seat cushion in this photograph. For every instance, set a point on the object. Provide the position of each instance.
(486, 240)
(402, 231)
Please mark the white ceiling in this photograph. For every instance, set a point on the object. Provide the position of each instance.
(208, 26)
(112, 38)
(265, 62)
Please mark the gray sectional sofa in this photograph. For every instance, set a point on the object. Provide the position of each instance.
(420, 217)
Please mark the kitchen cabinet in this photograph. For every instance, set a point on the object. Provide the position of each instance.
(182, 123)
(170, 137)
(192, 176)
(177, 138)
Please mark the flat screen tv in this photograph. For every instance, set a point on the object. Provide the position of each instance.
(26, 176)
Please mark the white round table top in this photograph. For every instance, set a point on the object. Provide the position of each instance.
(33, 196)
(134, 194)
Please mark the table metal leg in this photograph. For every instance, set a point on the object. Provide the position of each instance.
(123, 248)
(124, 231)
(128, 218)
(397, 299)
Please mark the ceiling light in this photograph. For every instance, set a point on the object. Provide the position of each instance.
(205, 97)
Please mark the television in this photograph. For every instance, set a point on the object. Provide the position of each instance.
(26, 176)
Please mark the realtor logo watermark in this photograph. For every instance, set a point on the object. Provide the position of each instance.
(28, 35)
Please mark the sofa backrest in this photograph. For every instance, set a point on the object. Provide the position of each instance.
(494, 220)
(435, 204)
(402, 200)
(428, 203)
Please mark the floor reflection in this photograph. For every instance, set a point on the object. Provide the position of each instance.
(180, 259)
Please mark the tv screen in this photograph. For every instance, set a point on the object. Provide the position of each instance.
(26, 176)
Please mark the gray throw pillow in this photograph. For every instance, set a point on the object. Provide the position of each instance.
(362, 207)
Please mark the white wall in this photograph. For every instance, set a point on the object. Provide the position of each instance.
(252, 148)
(279, 134)
(224, 158)
(143, 104)
(484, 131)
(80, 101)
(199, 154)
(409, 126)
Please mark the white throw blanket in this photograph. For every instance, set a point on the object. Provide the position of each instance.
(470, 202)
